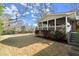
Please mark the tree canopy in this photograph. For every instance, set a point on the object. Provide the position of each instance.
(1, 26)
(1, 22)
(1, 9)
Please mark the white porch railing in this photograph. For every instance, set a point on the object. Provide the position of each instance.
(50, 27)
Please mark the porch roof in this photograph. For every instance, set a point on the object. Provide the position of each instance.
(70, 15)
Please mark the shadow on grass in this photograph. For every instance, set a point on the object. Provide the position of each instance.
(22, 41)
(64, 41)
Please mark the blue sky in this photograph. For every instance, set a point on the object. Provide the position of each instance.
(28, 15)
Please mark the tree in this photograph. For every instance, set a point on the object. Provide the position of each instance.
(1, 28)
(1, 9)
(23, 28)
(38, 10)
(1, 22)
(41, 9)
(44, 9)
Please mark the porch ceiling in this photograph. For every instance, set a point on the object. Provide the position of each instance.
(70, 15)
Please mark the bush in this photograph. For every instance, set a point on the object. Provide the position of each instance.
(36, 31)
(59, 35)
(46, 33)
(8, 32)
(52, 34)
(13, 31)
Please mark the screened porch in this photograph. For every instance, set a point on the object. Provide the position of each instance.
(54, 24)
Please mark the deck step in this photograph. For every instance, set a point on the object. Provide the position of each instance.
(74, 53)
(75, 48)
(72, 39)
(73, 36)
(75, 41)
(74, 44)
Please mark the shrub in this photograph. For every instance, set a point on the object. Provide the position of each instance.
(51, 34)
(36, 31)
(13, 31)
(8, 32)
(59, 35)
(46, 33)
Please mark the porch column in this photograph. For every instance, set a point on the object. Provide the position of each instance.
(47, 25)
(67, 33)
(55, 25)
(66, 23)
(42, 26)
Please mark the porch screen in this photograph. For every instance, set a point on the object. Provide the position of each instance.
(60, 24)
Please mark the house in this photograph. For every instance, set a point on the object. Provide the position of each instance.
(65, 22)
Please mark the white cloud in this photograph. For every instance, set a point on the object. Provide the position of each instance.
(37, 4)
(24, 4)
(14, 8)
(29, 24)
(48, 4)
(33, 15)
(12, 11)
(32, 11)
(35, 24)
(13, 17)
(30, 7)
(36, 10)
(26, 13)
(48, 9)
(34, 19)
(7, 10)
